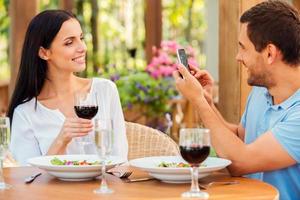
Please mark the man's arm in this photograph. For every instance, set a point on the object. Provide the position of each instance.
(264, 154)
(207, 82)
(236, 129)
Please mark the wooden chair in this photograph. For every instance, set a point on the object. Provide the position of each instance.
(144, 141)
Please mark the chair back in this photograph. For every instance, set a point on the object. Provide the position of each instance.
(144, 141)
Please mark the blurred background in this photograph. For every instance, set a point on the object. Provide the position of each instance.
(134, 42)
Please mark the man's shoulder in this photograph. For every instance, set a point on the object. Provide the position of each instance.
(258, 95)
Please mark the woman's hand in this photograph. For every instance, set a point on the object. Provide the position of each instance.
(72, 128)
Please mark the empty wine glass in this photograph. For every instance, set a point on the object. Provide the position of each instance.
(194, 144)
(86, 106)
(103, 141)
(4, 142)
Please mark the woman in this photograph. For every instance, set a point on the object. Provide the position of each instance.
(42, 106)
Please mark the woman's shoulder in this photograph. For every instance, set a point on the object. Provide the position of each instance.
(27, 106)
(25, 110)
(102, 82)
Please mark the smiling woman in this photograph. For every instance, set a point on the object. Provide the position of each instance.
(42, 106)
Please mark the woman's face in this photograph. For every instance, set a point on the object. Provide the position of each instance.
(68, 50)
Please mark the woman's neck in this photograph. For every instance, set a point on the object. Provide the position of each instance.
(56, 86)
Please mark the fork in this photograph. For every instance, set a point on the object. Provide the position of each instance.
(206, 186)
(119, 174)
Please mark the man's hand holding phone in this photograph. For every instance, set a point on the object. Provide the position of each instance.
(182, 58)
(204, 78)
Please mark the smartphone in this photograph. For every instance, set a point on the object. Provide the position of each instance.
(182, 57)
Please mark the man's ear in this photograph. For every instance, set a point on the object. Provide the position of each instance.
(43, 53)
(272, 52)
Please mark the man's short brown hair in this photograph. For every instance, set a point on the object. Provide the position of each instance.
(275, 22)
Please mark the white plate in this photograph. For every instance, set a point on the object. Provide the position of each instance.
(176, 174)
(73, 172)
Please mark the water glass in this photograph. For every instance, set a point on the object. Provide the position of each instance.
(4, 143)
(103, 141)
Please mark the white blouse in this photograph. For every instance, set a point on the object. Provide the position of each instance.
(35, 127)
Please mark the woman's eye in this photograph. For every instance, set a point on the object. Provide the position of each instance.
(68, 43)
(82, 38)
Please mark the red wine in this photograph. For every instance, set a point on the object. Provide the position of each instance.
(194, 155)
(86, 112)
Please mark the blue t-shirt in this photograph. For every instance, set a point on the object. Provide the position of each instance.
(283, 120)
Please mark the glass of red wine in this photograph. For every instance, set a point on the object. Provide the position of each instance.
(194, 144)
(86, 106)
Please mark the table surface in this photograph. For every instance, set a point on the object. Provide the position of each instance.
(47, 187)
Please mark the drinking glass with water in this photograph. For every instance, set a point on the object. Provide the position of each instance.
(4, 143)
(104, 141)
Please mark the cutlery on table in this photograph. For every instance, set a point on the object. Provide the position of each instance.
(124, 175)
(121, 174)
(127, 180)
(31, 178)
(206, 186)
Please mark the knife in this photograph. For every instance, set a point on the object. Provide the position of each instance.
(31, 178)
(138, 179)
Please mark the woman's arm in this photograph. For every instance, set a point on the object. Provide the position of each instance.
(72, 128)
(120, 138)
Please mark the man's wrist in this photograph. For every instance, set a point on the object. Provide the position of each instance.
(201, 102)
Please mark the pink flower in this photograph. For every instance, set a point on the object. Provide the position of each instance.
(190, 51)
(164, 61)
(193, 62)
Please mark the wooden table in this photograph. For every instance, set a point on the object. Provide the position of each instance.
(46, 187)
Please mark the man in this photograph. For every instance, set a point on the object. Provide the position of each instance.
(266, 144)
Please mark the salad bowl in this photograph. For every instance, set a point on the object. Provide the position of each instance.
(73, 167)
(173, 169)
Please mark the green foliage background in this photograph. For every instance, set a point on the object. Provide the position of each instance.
(183, 22)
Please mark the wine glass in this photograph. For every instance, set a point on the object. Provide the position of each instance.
(4, 142)
(194, 144)
(86, 106)
(103, 141)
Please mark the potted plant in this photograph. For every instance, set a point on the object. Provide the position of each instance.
(145, 94)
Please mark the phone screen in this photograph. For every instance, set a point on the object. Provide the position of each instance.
(182, 57)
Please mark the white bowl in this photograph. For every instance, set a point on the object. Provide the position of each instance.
(73, 172)
(176, 174)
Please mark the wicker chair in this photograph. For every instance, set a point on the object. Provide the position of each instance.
(144, 141)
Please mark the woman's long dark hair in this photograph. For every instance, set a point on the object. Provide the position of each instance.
(32, 71)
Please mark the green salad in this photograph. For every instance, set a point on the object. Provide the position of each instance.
(175, 165)
(57, 161)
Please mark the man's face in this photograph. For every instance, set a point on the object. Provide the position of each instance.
(258, 75)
